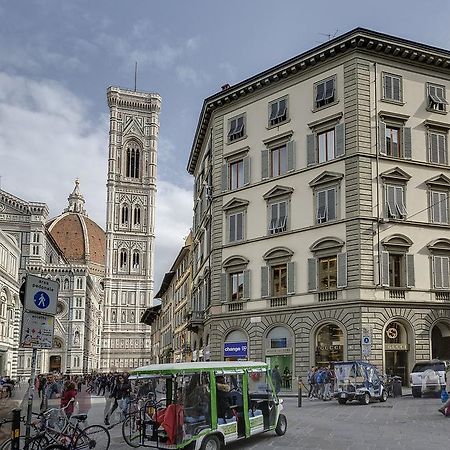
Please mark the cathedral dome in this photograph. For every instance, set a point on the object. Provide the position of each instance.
(80, 239)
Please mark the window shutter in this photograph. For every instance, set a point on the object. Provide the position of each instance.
(442, 149)
(331, 194)
(410, 281)
(340, 140)
(385, 268)
(246, 284)
(264, 281)
(433, 138)
(312, 274)
(445, 272)
(382, 137)
(437, 268)
(311, 149)
(387, 79)
(390, 202)
(396, 89)
(291, 278)
(407, 142)
(264, 164)
(341, 270)
(435, 207)
(223, 287)
(444, 207)
(246, 170)
(290, 155)
(224, 177)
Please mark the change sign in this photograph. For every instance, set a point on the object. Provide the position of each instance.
(235, 350)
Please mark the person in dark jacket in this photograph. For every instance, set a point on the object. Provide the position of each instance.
(120, 393)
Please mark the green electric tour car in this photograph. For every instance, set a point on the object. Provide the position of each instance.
(202, 405)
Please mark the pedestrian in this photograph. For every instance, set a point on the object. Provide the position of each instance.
(50, 392)
(68, 396)
(327, 384)
(287, 378)
(121, 395)
(276, 379)
(445, 408)
(311, 382)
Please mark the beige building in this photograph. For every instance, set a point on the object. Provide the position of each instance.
(321, 217)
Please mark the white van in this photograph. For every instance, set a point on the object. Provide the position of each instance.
(428, 376)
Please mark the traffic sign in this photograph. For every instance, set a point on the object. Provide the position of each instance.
(37, 330)
(41, 295)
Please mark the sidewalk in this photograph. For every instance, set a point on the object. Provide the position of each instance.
(406, 391)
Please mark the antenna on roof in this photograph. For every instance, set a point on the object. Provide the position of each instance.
(330, 36)
(135, 75)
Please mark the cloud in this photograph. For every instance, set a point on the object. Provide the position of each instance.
(190, 76)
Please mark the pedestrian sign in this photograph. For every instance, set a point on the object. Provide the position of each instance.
(41, 295)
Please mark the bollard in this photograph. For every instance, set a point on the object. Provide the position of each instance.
(15, 429)
(299, 399)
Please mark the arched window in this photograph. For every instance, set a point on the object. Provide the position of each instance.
(124, 215)
(66, 284)
(329, 344)
(137, 215)
(133, 160)
(136, 259)
(123, 259)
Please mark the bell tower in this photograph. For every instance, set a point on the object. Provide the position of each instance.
(130, 225)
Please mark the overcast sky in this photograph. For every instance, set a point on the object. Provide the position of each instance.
(57, 59)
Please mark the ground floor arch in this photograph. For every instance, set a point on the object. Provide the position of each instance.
(440, 340)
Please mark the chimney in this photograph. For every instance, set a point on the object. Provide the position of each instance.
(225, 87)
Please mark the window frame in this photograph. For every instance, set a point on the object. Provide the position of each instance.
(230, 215)
(240, 291)
(233, 135)
(326, 100)
(439, 192)
(388, 148)
(434, 99)
(282, 270)
(278, 119)
(329, 272)
(280, 224)
(317, 193)
(282, 152)
(388, 214)
(438, 133)
(240, 168)
(393, 77)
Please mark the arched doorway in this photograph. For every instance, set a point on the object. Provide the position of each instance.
(279, 352)
(55, 363)
(396, 351)
(329, 345)
(440, 341)
(235, 347)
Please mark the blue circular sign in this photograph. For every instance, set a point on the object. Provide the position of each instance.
(41, 300)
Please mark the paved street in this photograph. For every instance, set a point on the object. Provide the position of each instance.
(402, 423)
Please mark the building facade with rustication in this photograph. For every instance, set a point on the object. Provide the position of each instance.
(321, 209)
(130, 226)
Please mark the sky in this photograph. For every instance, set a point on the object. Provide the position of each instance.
(57, 59)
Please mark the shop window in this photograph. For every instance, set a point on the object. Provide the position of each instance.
(329, 345)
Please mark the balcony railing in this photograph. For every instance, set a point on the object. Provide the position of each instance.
(278, 302)
(328, 296)
(195, 320)
(442, 296)
(397, 294)
(235, 306)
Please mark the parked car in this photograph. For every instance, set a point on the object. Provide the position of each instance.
(428, 377)
(358, 380)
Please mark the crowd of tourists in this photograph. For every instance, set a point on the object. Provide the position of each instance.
(321, 383)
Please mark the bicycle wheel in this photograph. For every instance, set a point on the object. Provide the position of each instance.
(94, 436)
(56, 447)
(132, 429)
(39, 442)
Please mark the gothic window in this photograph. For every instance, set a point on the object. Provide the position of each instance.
(124, 215)
(132, 160)
(136, 259)
(137, 216)
(123, 259)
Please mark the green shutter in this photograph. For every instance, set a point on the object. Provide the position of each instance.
(340, 140)
(223, 287)
(311, 149)
(385, 269)
(341, 270)
(225, 177)
(291, 278)
(264, 281)
(246, 162)
(407, 151)
(246, 284)
(312, 274)
(264, 164)
(410, 279)
(382, 137)
(290, 147)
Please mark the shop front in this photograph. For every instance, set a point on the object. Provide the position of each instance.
(329, 345)
(279, 352)
(396, 351)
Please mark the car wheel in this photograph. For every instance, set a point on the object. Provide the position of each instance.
(365, 399)
(342, 401)
(211, 443)
(416, 392)
(384, 396)
(281, 427)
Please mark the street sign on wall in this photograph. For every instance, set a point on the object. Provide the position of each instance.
(41, 295)
(37, 330)
(366, 341)
(235, 350)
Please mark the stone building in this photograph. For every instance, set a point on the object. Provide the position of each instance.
(321, 217)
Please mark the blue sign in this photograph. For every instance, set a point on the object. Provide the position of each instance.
(235, 350)
(41, 300)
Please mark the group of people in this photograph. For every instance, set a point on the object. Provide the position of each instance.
(6, 386)
(321, 383)
(281, 380)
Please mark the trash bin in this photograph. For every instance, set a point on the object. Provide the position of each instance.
(397, 386)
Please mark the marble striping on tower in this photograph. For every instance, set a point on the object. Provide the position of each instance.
(130, 223)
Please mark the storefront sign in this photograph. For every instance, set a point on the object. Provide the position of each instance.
(396, 347)
(235, 350)
(330, 348)
(279, 351)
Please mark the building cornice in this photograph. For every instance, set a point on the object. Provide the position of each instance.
(126, 98)
(357, 39)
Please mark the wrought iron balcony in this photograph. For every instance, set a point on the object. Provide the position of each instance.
(195, 320)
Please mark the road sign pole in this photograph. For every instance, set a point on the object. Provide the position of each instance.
(30, 397)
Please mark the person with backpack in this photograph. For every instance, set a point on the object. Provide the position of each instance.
(320, 381)
(326, 384)
(445, 408)
(312, 382)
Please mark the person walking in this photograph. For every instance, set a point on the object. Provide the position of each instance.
(276, 379)
(445, 408)
(68, 396)
(121, 394)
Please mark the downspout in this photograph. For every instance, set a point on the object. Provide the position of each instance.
(377, 159)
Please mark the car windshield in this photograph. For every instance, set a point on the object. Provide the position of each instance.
(349, 375)
(421, 367)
